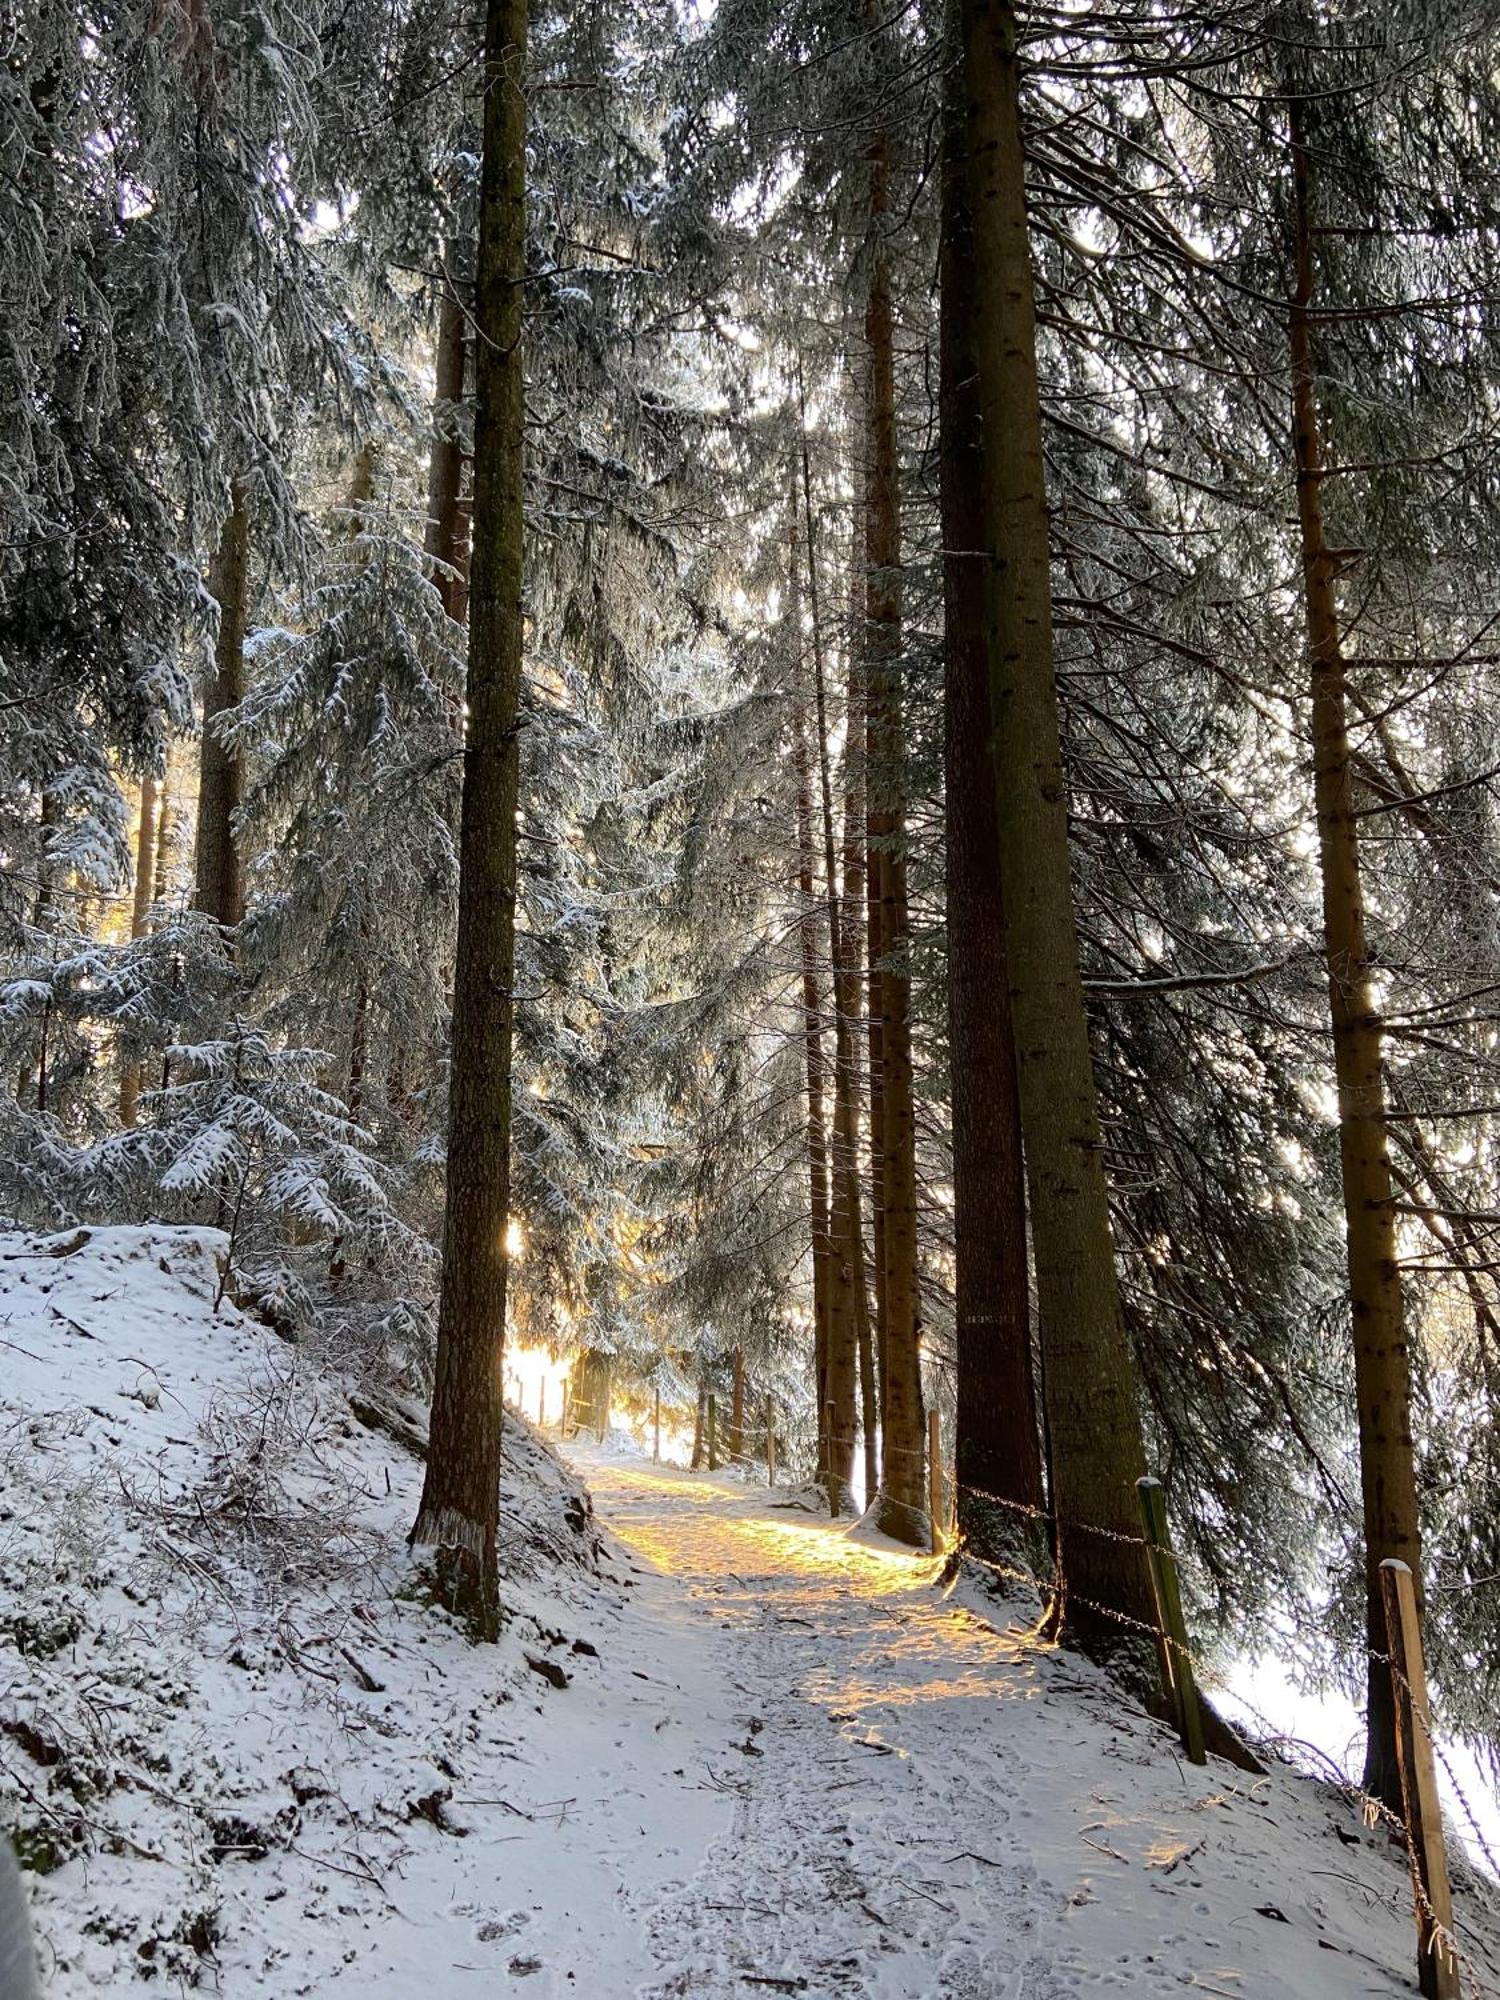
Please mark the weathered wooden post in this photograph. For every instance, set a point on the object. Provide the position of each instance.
(541, 1404)
(770, 1442)
(564, 1430)
(935, 1477)
(1177, 1664)
(1437, 1967)
(713, 1445)
(656, 1429)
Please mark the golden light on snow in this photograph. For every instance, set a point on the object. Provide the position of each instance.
(903, 1646)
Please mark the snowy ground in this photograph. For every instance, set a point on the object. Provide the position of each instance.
(933, 1807)
(201, 1567)
(782, 1760)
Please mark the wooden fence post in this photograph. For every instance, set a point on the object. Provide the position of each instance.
(563, 1431)
(713, 1446)
(770, 1442)
(541, 1404)
(656, 1430)
(1177, 1662)
(1437, 1968)
(935, 1477)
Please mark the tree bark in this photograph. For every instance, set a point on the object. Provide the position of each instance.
(851, 1311)
(460, 1500)
(1088, 1370)
(140, 912)
(447, 537)
(1382, 1363)
(219, 887)
(852, 923)
(737, 1410)
(163, 872)
(901, 1502)
(997, 1449)
(833, 1332)
(700, 1421)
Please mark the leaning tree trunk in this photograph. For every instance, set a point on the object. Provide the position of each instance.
(1088, 1370)
(1382, 1364)
(460, 1496)
(219, 887)
(998, 1460)
(901, 1503)
(447, 538)
(833, 1326)
(140, 913)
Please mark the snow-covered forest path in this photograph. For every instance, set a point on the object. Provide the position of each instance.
(928, 1806)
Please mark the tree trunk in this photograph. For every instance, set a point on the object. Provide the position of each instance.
(447, 538)
(460, 1500)
(700, 1422)
(851, 947)
(1382, 1364)
(737, 1411)
(219, 887)
(140, 912)
(833, 1327)
(163, 874)
(901, 1502)
(1088, 1370)
(850, 1318)
(996, 1448)
(34, 1066)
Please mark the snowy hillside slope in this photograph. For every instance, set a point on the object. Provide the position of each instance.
(725, 1748)
(235, 1757)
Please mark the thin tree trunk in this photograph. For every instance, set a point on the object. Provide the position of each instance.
(851, 1302)
(219, 887)
(140, 913)
(997, 1449)
(901, 1503)
(447, 537)
(1088, 1370)
(700, 1425)
(851, 945)
(833, 1331)
(34, 1067)
(737, 1410)
(163, 873)
(1382, 1364)
(460, 1499)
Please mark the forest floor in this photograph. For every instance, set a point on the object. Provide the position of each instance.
(724, 1749)
(933, 1805)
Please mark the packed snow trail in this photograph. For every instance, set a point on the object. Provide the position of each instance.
(931, 1806)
